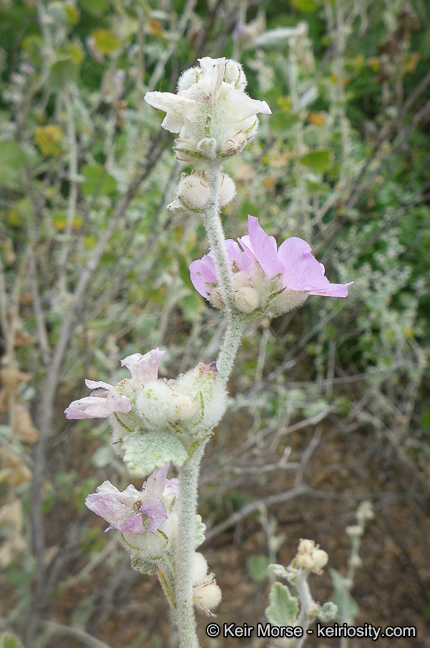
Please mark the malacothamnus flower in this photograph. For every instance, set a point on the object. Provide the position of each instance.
(266, 280)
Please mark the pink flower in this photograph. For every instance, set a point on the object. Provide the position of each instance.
(133, 511)
(266, 279)
(105, 399)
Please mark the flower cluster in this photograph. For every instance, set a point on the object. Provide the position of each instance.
(155, 421)
(213, 115)
(266, 280)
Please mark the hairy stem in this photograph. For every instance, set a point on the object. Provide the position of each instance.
(215, 232)
(188, 483)
(306, 603)
(230, 345)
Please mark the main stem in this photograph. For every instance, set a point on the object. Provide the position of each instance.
(188, 483)
(189, 471)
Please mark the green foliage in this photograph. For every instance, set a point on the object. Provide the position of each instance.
(8, 640)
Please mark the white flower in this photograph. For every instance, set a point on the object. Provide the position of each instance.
(213, 115)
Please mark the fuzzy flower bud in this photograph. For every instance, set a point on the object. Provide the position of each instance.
(311, 557)
(266, 280)
(194, 192)
(206, 593)
(214, 117)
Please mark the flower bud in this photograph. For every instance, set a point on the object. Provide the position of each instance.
(234, 75)
(227, 190)
(246, 299)
(199, 568)
(193, 191)
(310, 557)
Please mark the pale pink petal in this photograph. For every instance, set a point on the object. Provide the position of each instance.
(197, 278)
(155, 510)
(107, 506)
(98, 385)
(208, 268)
(143, 368)
(133, 524)
(302, 272)
(171, 487)
(156, 481)
(98, 407)
(236, 255)
(264, 247)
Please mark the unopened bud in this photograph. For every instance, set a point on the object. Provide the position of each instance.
(189, 78)
(199, 568)
(246, 299)
(235, 75)
(227, 190)
(193, 191)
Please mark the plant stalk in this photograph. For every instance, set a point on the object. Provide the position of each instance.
(188, 484)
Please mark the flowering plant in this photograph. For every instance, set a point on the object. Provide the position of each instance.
(157, 421)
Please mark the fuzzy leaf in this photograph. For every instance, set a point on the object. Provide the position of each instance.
(327, 612)
(283, 608)
(278, 570)
(347, 608)
(144, 452)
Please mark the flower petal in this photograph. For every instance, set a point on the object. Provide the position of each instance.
(98, 407)
(97, 385)
(263, 247)
(237, 104)
(108, 507)
(302, 272)
(156, 481)
(155, 510)
(143, 368)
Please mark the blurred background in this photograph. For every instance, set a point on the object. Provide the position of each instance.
(328, 405)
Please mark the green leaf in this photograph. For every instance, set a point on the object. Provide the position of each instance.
(347, 608)
(63, 72)
(105, 41)
(191, 307)
(97, 181)
(317, 161)
(9, 641)
(425, 419)
(283, 608)
(307, 6)
(144, 452)
(257, 567)
(96, 8)
(11, 155)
